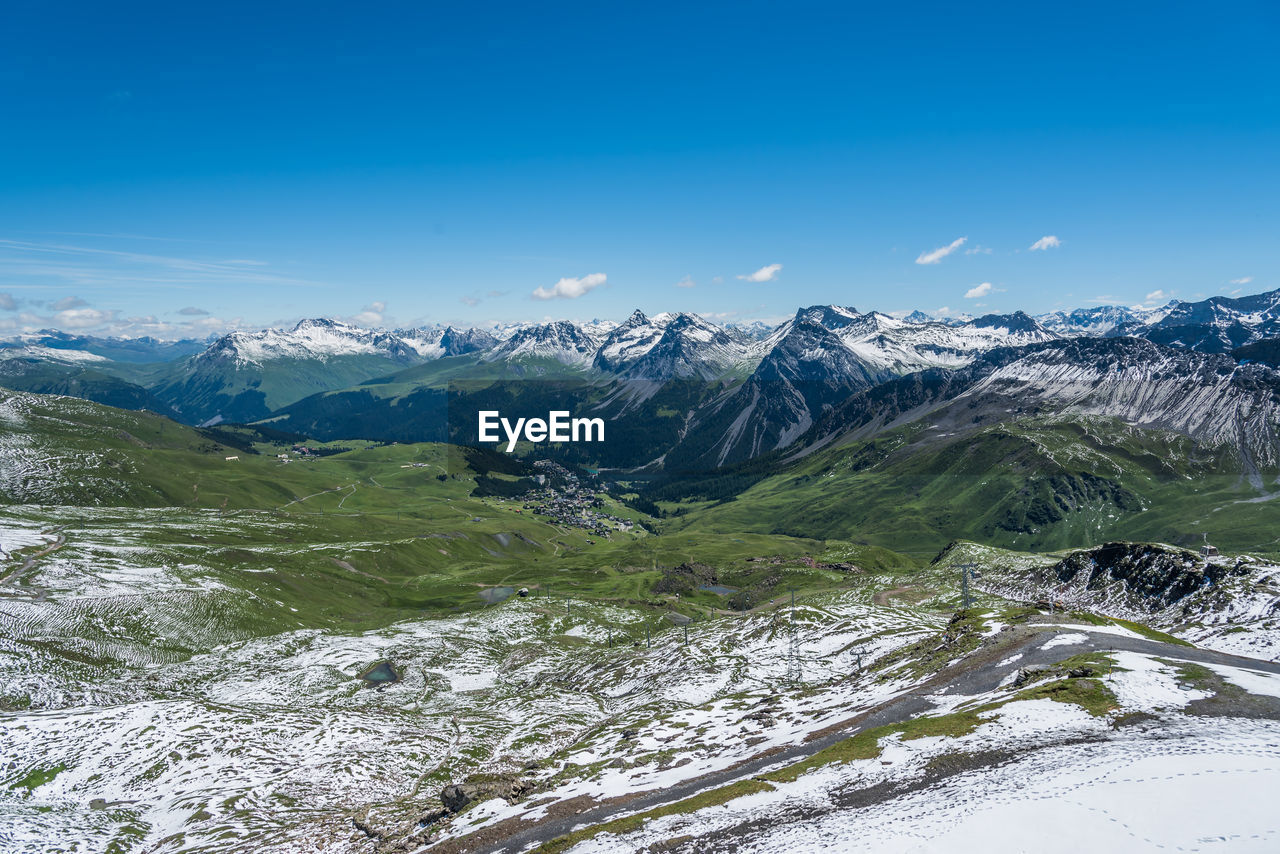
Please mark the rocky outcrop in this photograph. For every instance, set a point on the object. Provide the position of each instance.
(1155, 576)
(685, 578)
(482, 787)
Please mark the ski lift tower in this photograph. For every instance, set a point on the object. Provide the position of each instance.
(965, 570)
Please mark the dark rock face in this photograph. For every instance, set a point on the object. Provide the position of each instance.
(482, 787)
(685, 578)
(1266, 352)
(454, 798)
(1157, 575)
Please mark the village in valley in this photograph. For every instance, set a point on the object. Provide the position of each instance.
(566, 499)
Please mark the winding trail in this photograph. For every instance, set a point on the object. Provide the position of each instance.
(314, 494)
(349, 568)
(30, 561)
(978, 673)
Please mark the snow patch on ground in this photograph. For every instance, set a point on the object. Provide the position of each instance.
(1072, 639)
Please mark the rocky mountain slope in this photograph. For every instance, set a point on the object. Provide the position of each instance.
(804, 381)
(1208, 397)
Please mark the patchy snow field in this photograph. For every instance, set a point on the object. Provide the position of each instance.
(1047, 777)
(139, 711)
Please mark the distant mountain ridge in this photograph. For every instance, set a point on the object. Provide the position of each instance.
(726, 392)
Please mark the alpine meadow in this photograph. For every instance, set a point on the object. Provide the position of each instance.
(433, 430)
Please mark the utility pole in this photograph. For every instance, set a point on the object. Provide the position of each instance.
(965, 569)
(648, 644)
(795, 669)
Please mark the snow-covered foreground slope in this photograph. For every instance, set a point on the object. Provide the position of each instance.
(140, 709)
(144, 707)
(1127, 794)
(1156, 773)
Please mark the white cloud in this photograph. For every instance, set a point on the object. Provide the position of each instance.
(371, 315)
(68, 302)
(571, 288)
(1049, 241)
(469, 301)
(978, 250)
(943, 311)
(192, 311)
(1157, 296)
(767, 273)
(1243, 280)
(978, 291)
(8, 303)
(936, 256)
(82, 318)
(686, 282)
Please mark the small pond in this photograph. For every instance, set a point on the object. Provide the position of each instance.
(494, 595)
(719, 588)
(380, 673)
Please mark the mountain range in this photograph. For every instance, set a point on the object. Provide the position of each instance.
(686, 393)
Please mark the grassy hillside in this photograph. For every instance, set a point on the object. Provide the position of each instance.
(1032, 484)
(372, 533)
(202, 388)
(439, 401)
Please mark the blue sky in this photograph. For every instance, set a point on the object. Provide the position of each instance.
(180, 168)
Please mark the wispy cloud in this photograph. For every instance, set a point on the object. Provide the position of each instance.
(767, 273)
(8, 303)
(192, 311)
(1049, 241)
(73, 313)
(569, 288)
(66, 265)
(686, 282)
(1243, 280)
(978, 291)
(978, 250)
(472, 300)
(371, 315)
(1157, 296)
(935, 256)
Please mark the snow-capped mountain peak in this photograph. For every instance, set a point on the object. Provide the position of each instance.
(560, 340)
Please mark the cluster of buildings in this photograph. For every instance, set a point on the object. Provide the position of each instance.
(561, 496)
